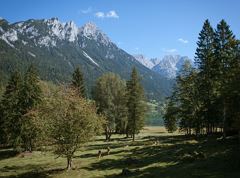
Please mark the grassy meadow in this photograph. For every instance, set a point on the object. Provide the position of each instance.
(154, 154)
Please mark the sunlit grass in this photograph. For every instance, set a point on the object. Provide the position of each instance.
(155, 153)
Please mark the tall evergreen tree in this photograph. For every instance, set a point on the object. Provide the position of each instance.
(30, 95)
(10, 112)
(78, 82)
(136, 104)
(30, 92)
(225, 55)
(205, 62)
(187, 99)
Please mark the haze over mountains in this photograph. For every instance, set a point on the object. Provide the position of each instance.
(57, 48)
(167, 67)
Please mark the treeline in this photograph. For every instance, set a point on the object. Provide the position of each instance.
(206, 97)
(35, 114)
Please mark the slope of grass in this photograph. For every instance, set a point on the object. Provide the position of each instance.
(154, 154)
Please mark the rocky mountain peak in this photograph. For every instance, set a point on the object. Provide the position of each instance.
(91, 31)
(168, 66)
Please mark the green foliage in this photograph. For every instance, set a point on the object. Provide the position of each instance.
(171, 115)
(154, 116)
(17, 104)
(70, 121)
(10, 112)
(187, 98)
(30, 93)
(207, 97)
(136, 104)
(110, 97)
(205, 60)
(78, 82)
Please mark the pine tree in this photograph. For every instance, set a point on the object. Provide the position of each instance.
(187, 98)
(78, 82)
(136, 104)
(30, 92)
(30, 96)
(205, 62)
(225, 55)
(171, 115)
(10, 113)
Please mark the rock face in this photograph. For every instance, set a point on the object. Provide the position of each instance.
(56, 48)
(167, 67)
(170, 65)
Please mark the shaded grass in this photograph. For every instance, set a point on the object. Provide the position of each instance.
(154, 154)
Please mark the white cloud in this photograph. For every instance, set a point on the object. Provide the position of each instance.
(173, 50)
(100, 15)
(86, 11)
(183, 41)
(110, 14)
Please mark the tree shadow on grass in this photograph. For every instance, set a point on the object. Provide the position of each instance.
(35, 172)
(7, 153)
(175, 157)
(95, 155)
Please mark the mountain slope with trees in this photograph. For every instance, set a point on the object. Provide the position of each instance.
(56, 49)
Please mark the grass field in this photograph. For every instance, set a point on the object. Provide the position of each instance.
(154, 154)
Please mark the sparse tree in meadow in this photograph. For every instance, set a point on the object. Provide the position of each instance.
(71, 121)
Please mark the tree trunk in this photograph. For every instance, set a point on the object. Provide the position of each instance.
(133, 137)
(224, 121)
(239, 137)
(106, 136)
(69, 163)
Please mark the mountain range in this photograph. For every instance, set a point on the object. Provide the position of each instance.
(168, 66)
(57, 48)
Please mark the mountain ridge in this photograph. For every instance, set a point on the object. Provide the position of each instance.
(168, 66)
(57, 48)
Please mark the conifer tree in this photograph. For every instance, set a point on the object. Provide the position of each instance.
(136, 104)
(171, 115)
(30, 92)
(205, 63)
(187, 99)
(225, 55)
(10, 112)
(30, 96)
(78, 82)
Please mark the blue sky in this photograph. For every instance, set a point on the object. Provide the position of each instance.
(150, 27)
